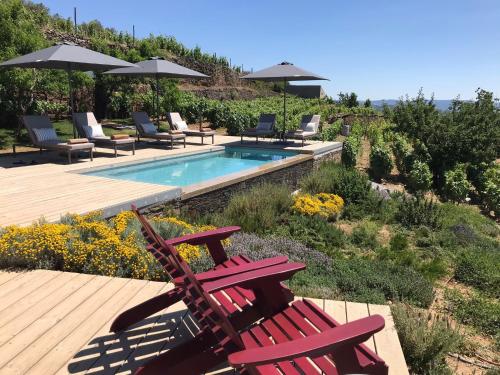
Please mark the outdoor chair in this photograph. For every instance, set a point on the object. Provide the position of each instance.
(177, 123)
(309, 127)
(88, 127)
(265, 127)
(238, 303)
(43, 135)
(296, 338)
(146, 129)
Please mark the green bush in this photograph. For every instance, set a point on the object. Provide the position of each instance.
(399, 242)
(330, 132)
(479, 268)
(419, 178)
(333, 178)
(477, 310)
(259, 209)
(414, 212)
(365, 235)
(350, 150)
(456, 186)
(401, 149)
(380, 162)
(425, 340)
(490, 189)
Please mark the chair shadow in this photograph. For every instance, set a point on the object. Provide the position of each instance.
(126, 351)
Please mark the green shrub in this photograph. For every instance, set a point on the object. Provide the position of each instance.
(425, 340)
(480, 268)
(477, 310)
(456, 186)
(365, 235)
(414, 212)
(399, 242)
(401, 149)
(380, 162)
(350, 150)
(419, 178)
(258, 209)
(334, 178)
(330, 132)
(490, 189)
(314, 232)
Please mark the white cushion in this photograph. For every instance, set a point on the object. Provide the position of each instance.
(310, 127)
(149, 128)
(264, 126)
(45, 134)
(181, 125)
(94, 131)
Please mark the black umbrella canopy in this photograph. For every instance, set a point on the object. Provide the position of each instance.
(67, 56)
(159, 68)
(284, 71)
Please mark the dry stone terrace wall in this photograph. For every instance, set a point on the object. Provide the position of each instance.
(217, 200)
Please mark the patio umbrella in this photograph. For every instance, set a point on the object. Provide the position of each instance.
(69, 57)
(283, 72)
(158, 67)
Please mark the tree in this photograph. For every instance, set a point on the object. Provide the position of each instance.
(368, 103)
(350, 100)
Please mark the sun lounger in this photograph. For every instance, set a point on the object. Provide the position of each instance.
(265, 127)
(176, 123)
(239, 303)
(293, 338)
(88, 127)
(309, 127)
(42, 135)
(146, 129)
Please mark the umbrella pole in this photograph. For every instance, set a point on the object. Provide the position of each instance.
(71, 99)
(157, 102)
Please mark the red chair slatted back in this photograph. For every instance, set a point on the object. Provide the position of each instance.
(156, 245)
(206, 310)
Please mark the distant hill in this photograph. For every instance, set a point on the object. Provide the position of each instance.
(441, 104)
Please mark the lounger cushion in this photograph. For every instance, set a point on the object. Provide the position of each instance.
(181, 125)
(45, 134)
(264, 126)
(149, 128)
(94, 131)
(310, 127)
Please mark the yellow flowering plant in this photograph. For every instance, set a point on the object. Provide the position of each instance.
(90, 244)
(325, 205)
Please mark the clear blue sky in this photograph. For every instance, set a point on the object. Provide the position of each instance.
(379, 49)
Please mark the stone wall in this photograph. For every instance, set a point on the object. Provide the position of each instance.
(217, 200)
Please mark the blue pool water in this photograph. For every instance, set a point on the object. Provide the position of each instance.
(188, 170)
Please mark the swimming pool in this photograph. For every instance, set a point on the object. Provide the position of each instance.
(189, 170)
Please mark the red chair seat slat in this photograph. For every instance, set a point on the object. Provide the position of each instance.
(250, 342)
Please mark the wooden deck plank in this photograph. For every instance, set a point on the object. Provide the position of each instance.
(355, 311)
(27, 288)
(20, 333)
(337, 310)
(91, 351)
(23, 281)
(87, 329)
(6, 276)
(37, 301)
(24, 360)
(387, 342)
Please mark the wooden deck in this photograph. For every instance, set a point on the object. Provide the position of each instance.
(47, 189)
(58, 323)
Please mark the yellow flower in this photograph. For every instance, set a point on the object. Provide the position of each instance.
(322, 204)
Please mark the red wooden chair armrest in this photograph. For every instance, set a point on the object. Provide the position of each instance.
(252, 266)
(202, 238)
(315, 345)
(256, 279)
(212, 238)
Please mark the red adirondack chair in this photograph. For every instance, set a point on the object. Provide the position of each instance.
(238, 303)
(299, 338)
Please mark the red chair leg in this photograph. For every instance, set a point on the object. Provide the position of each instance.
(145, 309)
(347, 362)
(192, 357)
